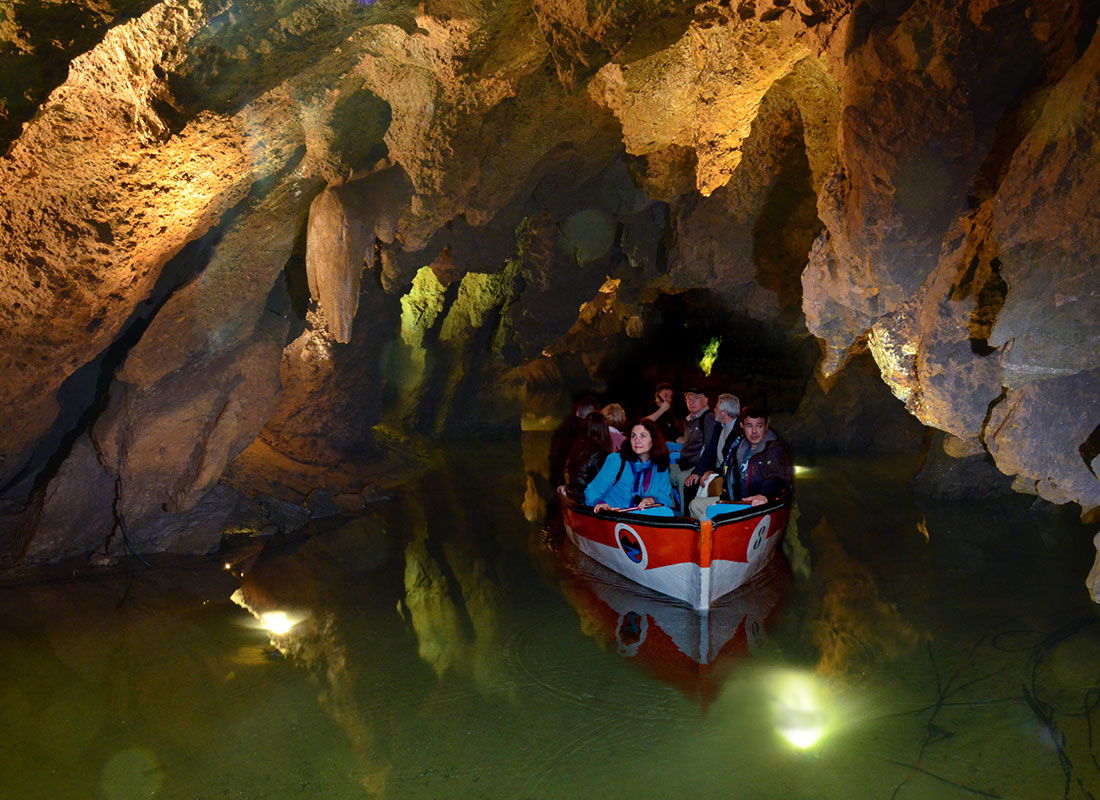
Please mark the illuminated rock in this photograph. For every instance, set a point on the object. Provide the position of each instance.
(169, 444)
(190, 202)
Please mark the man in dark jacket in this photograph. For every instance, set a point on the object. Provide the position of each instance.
(698, 428)
(724, 436)
(764, 470)
(758, 470)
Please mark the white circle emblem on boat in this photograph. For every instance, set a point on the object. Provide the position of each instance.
(631, 545)
(759, 536)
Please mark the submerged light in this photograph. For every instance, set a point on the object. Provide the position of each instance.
(798, 709)
(278, 622)
(710, 355)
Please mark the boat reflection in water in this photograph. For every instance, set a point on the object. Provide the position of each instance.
(692, 650)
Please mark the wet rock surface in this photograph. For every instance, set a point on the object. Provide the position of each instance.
(274, 247)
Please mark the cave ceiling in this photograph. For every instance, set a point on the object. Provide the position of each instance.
(240, 239)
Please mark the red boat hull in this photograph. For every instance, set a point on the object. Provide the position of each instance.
(690, 560)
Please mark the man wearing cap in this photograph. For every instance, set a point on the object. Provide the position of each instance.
(698, 426)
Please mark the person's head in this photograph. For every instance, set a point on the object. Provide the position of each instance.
(616, 416)
(727, 409)
(595, 428)
(664, 393)
(646, 443)
(754, 422)
(586, 405)
(695, 400)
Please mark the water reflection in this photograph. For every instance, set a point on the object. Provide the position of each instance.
(853, 626)
(440, 650)
(455, 627)
(691, 650)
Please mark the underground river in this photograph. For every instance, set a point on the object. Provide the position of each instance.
(443, 645)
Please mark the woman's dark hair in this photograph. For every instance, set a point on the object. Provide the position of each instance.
(595, 428)
(659, 452)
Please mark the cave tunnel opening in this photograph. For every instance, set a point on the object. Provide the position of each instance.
(760, 361)
(734, 290)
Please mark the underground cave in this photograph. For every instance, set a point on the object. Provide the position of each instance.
(296, 294)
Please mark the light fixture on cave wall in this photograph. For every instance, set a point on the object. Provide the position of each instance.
(710, 355)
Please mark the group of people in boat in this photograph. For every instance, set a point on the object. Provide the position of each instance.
(728, 454)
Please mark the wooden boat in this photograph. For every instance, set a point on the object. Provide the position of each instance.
(687, 559)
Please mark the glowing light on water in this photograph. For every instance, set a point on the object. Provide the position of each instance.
(710, 355)
(278, 622)
(798, 709)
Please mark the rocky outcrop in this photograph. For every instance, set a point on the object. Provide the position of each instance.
(99, 192)
(919, 254)
(167, 445)
(292, 238)
(958, 469)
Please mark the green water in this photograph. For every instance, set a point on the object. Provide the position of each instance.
(939, 650)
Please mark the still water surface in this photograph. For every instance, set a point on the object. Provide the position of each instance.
(448, 648)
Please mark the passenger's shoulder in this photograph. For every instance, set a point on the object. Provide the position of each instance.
(779, 443)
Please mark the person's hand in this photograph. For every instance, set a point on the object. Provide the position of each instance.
(599, 508)
(662, 406)
(691, 480)
(681, 439)
(756, 500)
(647, 502)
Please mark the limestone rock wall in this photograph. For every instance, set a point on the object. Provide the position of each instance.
(279, 242)
(919, 254)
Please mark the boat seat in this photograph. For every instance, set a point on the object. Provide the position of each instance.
(656, 511)
(674, 449)
(714, 509)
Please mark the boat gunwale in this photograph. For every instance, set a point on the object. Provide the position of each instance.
(752, 511)
(687, 523)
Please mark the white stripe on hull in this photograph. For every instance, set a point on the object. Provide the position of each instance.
(687, 581)
(681, 581)
(695, 585)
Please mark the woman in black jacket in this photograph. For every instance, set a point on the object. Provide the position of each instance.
(587, 456)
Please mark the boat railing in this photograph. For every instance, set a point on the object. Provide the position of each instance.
(753, 511)
(627, 516)
(678, 521)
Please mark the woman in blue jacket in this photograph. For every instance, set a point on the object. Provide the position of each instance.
(636, 476)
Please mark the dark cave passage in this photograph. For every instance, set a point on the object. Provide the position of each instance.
(759, 361)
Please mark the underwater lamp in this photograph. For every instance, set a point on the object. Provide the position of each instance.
(798, 711)
(278, 622)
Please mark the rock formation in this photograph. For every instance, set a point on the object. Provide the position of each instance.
(255, 251)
